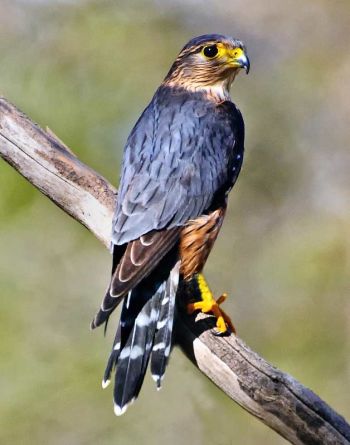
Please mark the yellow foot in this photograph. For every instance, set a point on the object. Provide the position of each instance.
(209, 304)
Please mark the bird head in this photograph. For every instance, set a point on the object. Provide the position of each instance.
(209, 62)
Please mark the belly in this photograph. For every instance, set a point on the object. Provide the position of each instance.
(196, 241)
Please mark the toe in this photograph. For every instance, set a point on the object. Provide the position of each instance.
(221, 325)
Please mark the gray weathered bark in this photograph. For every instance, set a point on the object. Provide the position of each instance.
(276, 398)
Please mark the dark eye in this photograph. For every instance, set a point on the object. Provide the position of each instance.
(210, 51)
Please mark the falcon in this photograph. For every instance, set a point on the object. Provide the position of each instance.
(180, 161)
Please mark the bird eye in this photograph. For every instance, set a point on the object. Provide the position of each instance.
(210, 51)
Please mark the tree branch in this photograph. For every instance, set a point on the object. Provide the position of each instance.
(276, 398)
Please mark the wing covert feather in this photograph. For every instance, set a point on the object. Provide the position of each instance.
(179, 154)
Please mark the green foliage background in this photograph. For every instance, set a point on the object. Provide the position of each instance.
(87, 69)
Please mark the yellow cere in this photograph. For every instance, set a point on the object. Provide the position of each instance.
(235, 53)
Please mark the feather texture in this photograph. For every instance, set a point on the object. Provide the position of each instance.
(182, 157)
(180, 154)
(163, 337)
(139, 331)
(140, 258)
(134, 356)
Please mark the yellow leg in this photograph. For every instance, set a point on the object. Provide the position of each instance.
(209, 304)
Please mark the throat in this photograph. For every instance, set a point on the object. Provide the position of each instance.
(218, 92)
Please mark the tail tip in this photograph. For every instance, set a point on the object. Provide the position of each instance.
(120, 410)
(105, 383)
(158, 379)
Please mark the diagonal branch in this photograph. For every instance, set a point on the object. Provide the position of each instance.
(276, 398)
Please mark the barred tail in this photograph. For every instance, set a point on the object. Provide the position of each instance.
(145, 328)
(133, 358)
(163, 338)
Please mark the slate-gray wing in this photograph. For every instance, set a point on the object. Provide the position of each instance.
(182, 157)
(181, 153)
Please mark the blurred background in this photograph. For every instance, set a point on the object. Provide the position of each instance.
(87, 69)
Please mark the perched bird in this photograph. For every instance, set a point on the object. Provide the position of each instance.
(180, 161)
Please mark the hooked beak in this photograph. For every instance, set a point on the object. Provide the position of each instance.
(239, 59)
(245, 62)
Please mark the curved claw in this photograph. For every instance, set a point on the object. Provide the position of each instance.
(223, 321)
(222, 298)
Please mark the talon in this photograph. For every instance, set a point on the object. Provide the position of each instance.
(222, 298)
(228, 322)
(209, 304)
